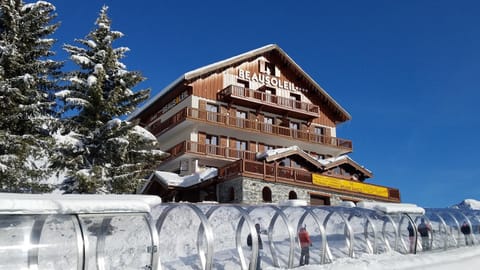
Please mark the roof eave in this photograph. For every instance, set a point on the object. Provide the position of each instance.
(152, 101)
(202, 71)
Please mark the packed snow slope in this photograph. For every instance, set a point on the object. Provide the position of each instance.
(464, 258)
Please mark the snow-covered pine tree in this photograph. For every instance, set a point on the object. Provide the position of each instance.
(102, 153)
(28, 78)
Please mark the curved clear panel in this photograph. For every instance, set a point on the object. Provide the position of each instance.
(389, 234)
(305, 218)
(274, 233)
(126, 248)
(15, 241)
(225, 221)
(178, 219)
(452, 226)
(337, 230)
(474, 217)
(120, 241)
(58, 245)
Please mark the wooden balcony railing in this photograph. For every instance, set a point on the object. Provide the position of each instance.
(273, 172)
(247, 124)
(267, 99)
(210, 150)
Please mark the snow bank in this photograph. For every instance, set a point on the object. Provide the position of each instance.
(70, 204)
(392, 208)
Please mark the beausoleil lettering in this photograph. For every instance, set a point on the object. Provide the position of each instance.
(268, 80)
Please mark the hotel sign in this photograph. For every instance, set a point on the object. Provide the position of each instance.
(347, 185)
(268, 80)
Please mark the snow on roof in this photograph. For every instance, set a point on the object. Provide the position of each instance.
(173, 179)
(323, 162)
(75, 203)
(327, 161)
(273, 152)
(392, 208)
(232, 60)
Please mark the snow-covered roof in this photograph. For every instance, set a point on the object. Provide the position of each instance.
(173, 179)
(277, 151)
(237, 59)
(75, 203)
(392, 208)
(274, 154)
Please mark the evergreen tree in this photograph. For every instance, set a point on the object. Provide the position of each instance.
(104, 154)
(27, 81)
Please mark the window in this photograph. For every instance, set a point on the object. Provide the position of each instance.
(319, 134)
(241, 147)
(269, 147)
(243, 83)
(267, 94)
(295, 96)
(295, 164)
(267, 194)
(212, 112)
(286, 162)
(211, 142)
(319, 200)
(319, 130)
(295, 100)
(292, 195)
(241, 119)
(294, 127)
(268, 124)
(268, 68)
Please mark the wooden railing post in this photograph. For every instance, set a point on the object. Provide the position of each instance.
(264, 170)
(275, 171)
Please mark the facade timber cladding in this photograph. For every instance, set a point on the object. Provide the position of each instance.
(266, 126)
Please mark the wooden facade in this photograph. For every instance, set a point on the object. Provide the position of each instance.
(233, 110)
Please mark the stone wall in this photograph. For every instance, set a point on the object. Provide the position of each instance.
(249, 191)
(224, 191)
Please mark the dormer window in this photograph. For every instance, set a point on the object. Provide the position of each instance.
(268, 68)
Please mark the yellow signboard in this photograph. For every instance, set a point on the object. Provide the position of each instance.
(326, 181)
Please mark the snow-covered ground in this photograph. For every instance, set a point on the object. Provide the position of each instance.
(464, 258)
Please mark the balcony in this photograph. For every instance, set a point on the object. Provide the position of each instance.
(213, 151)
(249, 125)
(274, 173)
(268, 102)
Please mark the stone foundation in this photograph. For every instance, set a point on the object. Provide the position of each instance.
(248, 190)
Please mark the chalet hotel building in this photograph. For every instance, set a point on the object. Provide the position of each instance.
(262, 129)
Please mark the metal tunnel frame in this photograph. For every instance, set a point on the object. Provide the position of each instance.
(374, 233)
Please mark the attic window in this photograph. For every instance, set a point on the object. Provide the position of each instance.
(268, 68)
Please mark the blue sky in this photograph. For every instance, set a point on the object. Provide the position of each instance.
(407, 71)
